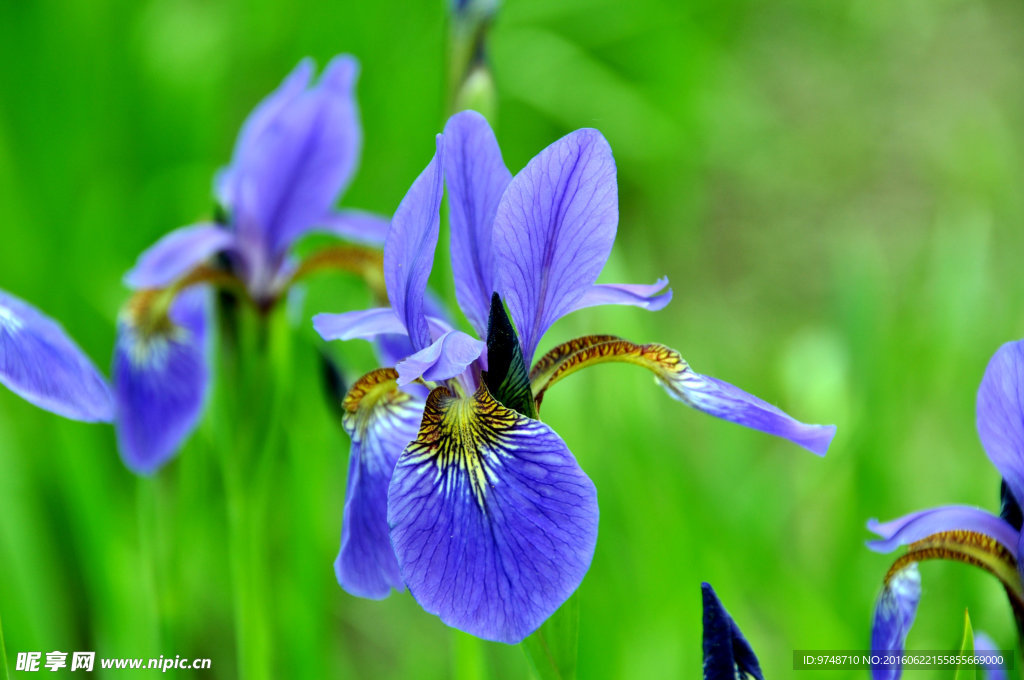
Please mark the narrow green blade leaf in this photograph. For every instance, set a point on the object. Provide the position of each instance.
(965, 671)
(507, 379)
(552, 649)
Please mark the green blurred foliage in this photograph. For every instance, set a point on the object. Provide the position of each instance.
(832, 188)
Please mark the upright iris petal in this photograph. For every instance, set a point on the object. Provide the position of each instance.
(1000, 414)
(160, 377)
(42, 365)
(727, 654)
(492, 520)
(894, 615)
(554, 230)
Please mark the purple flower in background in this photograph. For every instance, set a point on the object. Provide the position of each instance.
(727, 654)
(957, 532)
(42, 365)
(463, 495)
(294, 157)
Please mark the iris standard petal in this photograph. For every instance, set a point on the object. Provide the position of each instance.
(446, 357)
(916, 526)
(410, 245)
(41, 364)
(160, 378)
(176, 254)
(553, 231)
(984, 646)
(893, 617)
(651, 297)
(364, 323)
(1000, 414)
(265, 113)
(493, 522)
(300, 162)
(358, 226)
(727, 654)
(476, 177)
(381, 421)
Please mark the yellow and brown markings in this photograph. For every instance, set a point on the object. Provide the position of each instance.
(665, 362)
(361, 261)
(376, 389)
(549, 362)
(463, 436)
(969, 547)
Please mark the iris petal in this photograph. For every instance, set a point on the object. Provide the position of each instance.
(176, 254)
(554, 230)
(358, 226)
(1000, 414)
(365, 323)
(727, 654)
(446, 357)
(41, 364)
(381, 421)
(893, 617)
(160, 379)
(984, 646)
(493, 522)
(410, 245)
(919, 525)
(647, 296)
(476, 177)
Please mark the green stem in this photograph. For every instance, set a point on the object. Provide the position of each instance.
(469, 657)
(3, 652)
(145, 506)
(553, 648)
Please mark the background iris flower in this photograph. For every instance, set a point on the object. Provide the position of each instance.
(490, 521)
(962, 533)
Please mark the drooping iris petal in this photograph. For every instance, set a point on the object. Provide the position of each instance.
(176, 254)
(984, 646)
(704, 393)
(41, 364)
(446, 357)
(160, 377)
(647, 296)
(894, 615)
(492, 520)
(364, 323)
(297, 163)
(1000, 414)
(553, 231)
(727, 654)
(410, 245)
(476, 177)
(358, 226)
(919, 525)
(381, 421)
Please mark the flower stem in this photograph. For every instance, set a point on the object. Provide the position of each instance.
(552, 649)
(470, 663)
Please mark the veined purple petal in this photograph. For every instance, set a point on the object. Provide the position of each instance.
(357, 226)
(365, 323)
(894, 615)
(410, 245)
(553, 231)
(446, 357)
(476, 177)
(728, 402)
(492, 520)
(649, 297)
(984, 646)
(1001, 414)
(727, 654)
(41, 364)
(380, 428)
(915, 526)
(160, 380)
(298, 161)
(176, 254)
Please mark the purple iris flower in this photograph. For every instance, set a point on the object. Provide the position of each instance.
(957, 532)
(42, 365)
(463, 495)
(727, 654)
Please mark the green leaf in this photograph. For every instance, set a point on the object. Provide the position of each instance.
(553, 647)
(507, 378)
(964, 672)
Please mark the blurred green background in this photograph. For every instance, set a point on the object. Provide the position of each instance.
(833, 189)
